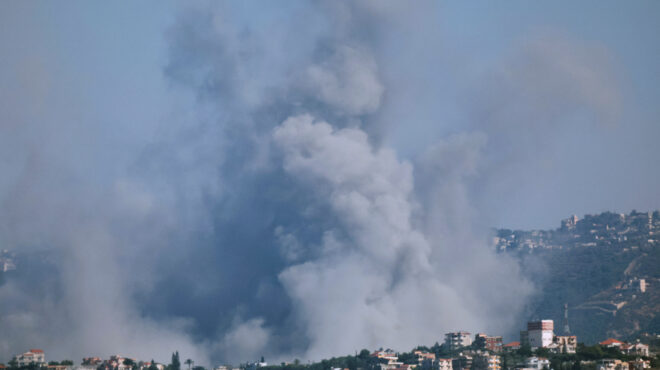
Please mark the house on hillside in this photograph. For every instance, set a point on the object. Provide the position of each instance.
(444, 364)
(563, 344)
(510, 347)
(537, 363)
(611, 364)
(611, 343)
(486, 362)
(639, 364)
(31, 357)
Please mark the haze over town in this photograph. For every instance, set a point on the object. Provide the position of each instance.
(305, 179)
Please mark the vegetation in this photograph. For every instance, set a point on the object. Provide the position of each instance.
(176, 363)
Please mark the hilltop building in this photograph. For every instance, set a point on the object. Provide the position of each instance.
(639, 364)
(486, 362)
(424, 356)
(539, 334)
(564, 344)
(536, 363)
(483, 341)
(612, 364)
(463, 362)
(444, 364)
(457, 340)
(611, 342)
(510, 347)
(33, 356)
(391, 357)
(637, 349)
(91, 363)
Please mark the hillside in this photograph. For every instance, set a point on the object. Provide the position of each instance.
(605, 267)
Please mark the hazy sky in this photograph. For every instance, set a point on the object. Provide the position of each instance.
(107, 61)
(238, 179)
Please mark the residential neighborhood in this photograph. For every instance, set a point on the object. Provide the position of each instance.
(539, 348)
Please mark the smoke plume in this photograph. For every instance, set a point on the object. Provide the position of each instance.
(272, 215)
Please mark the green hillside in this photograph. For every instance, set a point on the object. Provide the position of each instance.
(596, 265)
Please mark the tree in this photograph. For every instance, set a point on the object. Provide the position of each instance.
(66, 363)
(176, 364)
(542, 352)
(364, 354)
(189, 362)
(436, 349)
(153, 365)
(555, 363)
(525, 350)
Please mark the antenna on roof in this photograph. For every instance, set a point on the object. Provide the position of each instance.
(567, 329)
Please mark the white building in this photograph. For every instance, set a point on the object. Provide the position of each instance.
(444, 364)
(612, 364)
(537, 363)
(639, 349)
(33, 356)
(540, 333)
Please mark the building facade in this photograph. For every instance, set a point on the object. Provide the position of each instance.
(483, 341)
(537, 363)
(564, 344)
(33, 356)
(612, 364)
(444, 364)
(486, 362)
(457, 340)
(539, 334)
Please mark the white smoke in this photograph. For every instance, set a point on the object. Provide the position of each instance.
(374, 282)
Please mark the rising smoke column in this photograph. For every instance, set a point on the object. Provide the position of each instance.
(273, 218)
(381, 252)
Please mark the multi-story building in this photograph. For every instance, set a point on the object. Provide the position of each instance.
(457, 340)
(611, 364)
(510, 347)
(90, 363)
(637, 349)
(539, 334)
(444, 364)
(483, 341)
(424, 356)
(537, 363)
(639, 364)
(564, 344)
(463, 362)
(391, 358)
(33, 356)
(59, 367)
(486, 362)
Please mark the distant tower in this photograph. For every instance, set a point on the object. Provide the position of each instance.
(567, 330)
